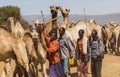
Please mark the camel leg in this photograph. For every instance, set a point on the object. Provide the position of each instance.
(107, 47)
(43, 65)
(17, 72)
(21, 55)
(117, 47)
(7, 68)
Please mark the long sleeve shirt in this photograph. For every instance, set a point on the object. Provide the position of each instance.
(66, 47)
(52, 50)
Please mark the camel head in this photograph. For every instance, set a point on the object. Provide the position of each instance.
(11, 19)
(113, 23)
(36, 22)
(92, 22)
(111, 26)
(54, 9)
(38, 25)
(64, 11)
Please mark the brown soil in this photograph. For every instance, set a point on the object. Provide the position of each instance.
(110, 68)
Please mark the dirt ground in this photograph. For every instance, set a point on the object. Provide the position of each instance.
(110, 68)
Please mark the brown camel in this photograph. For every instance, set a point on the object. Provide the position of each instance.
(54, 12)
(65, 14)
(11, 46)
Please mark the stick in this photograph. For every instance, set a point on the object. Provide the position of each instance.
(42, 16)
(52, 20)
(85, 21)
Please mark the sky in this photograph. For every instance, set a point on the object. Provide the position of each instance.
(92, 7)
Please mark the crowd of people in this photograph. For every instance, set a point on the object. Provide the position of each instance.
(60, 50)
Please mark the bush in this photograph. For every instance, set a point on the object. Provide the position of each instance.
(11, 11)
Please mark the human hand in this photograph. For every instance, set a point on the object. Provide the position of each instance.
(71, 56)
(94, 57)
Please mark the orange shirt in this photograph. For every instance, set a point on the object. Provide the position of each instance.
(52, 50)
(80, 45)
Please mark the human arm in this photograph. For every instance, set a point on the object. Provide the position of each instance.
(100, 52)
(69, 45)
(47, 39)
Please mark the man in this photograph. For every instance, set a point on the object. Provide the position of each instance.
(66, 49)
(97, 54)
(82, 54)
(53, 55)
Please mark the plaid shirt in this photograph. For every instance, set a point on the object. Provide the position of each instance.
(52, 50)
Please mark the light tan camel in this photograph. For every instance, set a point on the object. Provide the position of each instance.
(40, 44)
(117, 34)
(17, 28)
(110, 28)
(41, 54)
(12, 23)
(11, 46)
(32, 53)
(65, 14)
(87, 27)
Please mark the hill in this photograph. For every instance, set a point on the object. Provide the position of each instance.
(100, 19)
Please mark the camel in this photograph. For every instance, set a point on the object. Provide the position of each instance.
(109, 29)
(11, 46)
(41, 54)
(26, 36)
(54, 12)
(75, 26)
(41, 46)
(87, 27)
(117, 34)
(65, 14)
(17, 28)
(11, 19)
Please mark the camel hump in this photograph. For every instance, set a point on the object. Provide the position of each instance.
(18, 25)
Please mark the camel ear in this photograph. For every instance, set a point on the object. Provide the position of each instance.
(50, 6)
(68, 10)
(57, 7)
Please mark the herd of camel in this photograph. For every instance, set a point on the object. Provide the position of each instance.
(28, 47)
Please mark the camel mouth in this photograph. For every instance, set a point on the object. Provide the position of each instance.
(53, 11)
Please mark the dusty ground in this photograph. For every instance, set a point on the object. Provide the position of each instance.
(111, 67)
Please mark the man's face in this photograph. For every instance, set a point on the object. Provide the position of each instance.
(61, 32)
(94, 34)
(81, 34)
(53, 36)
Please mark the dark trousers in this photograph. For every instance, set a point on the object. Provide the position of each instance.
(96, 67)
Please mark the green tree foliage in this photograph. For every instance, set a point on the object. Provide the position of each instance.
(11, 11)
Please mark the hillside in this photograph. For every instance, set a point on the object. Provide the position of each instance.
(100, 19)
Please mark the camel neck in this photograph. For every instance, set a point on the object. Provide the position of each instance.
(12, 25)
(65, 20)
